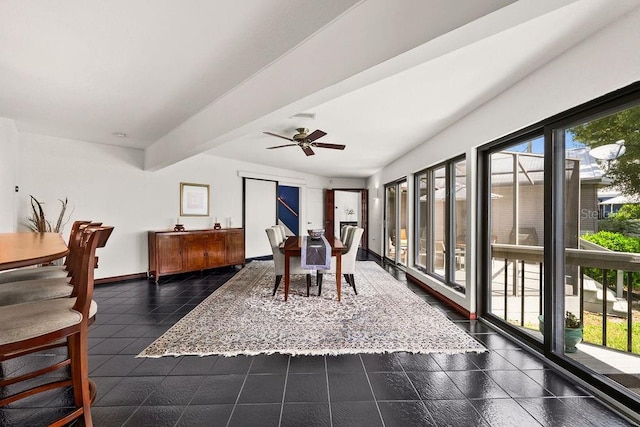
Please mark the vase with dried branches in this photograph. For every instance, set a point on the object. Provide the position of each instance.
(38, 222)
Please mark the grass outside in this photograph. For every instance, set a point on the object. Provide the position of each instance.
(616, 331)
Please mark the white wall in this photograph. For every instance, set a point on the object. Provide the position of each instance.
(600, 64)
(108, 184)
(8, 175)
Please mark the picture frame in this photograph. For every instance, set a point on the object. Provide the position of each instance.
(194, 199)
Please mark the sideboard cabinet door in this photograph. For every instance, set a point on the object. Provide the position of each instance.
(215, 250)
(169, 254)
(235, 247)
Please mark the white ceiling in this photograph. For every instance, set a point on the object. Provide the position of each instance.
(181, 79)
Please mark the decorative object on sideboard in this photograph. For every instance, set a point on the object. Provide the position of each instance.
(179, 226)
(216, 224)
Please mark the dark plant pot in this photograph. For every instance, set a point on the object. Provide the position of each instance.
(572, 336)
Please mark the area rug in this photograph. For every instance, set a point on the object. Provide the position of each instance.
(243, 318)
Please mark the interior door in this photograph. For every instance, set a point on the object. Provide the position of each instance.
(331, 217)
(315, 204)
(260, 212)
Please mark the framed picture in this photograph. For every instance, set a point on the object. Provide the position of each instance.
(194, 199)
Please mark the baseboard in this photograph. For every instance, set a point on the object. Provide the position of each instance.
(442, 298)
(372, 253)
(120, 278)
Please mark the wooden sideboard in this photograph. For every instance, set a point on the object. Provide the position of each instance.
(172, 252)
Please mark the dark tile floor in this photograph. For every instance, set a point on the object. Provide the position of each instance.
(505, 386)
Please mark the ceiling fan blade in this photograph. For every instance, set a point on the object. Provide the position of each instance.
(280, 146)
(316, 134)
(279, 136)
(327, 145)
(307, 150)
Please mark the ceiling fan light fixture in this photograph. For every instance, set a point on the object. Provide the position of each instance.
(311, 116)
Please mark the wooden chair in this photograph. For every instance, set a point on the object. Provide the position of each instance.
(47, 288)
(46, 272)
(278, 261)
(40, 325)
(348, 266)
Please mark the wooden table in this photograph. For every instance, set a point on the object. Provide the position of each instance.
(24, 249)
(293, 247)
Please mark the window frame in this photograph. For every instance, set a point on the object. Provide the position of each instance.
(429, 267)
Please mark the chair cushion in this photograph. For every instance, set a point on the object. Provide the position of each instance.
(33, 273)
(32, 319)
(34, 290)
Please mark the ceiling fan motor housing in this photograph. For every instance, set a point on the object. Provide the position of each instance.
(301, 135)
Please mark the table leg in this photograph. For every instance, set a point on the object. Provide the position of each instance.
(287, 258)
(338, 273)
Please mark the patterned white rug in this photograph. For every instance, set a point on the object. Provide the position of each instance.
(242, 318)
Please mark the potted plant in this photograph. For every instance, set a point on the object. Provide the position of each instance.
(572, 331)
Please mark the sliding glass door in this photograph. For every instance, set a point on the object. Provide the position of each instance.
(560, 242)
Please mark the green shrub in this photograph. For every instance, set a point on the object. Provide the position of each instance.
(627, 212)
(616, 242)
(623, 226)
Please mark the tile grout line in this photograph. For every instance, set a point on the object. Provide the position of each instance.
(326, 377)
(375, 400)
(246, 375)
(284, 390)
(416, 390)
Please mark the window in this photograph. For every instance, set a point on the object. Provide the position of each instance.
(516, 223)
(441, 221)
(396, 222)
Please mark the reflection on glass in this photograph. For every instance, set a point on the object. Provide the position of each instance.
(438, 213)
(516, 203)
(459, 216)
(390, 229)
(402, 241)
(422, 226)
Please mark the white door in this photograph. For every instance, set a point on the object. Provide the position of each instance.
(315, 209)
(260, 213)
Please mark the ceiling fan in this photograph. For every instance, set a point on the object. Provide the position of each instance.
(306, 141)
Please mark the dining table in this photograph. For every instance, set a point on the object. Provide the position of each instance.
(292, 247)
(25, 249)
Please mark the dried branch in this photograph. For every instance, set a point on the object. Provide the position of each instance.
(38, 222)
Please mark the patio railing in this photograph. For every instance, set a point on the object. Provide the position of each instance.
(623, 263)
